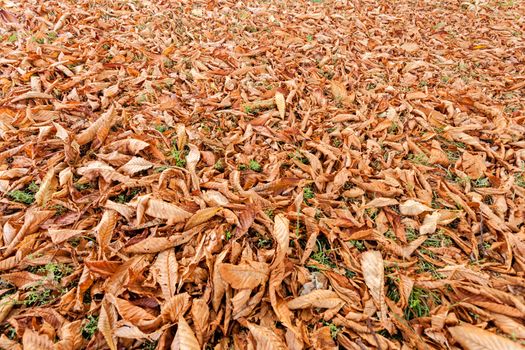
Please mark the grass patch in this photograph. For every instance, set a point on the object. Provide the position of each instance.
(392, 292)
(91, 327)
(308, 193)
(38, 296)
(438, 240)
(420, 303)
(322, 255)
(161, 127)
(26, 195)
(219, 165)
(255, 166)
(419, 158)
(519, 179)
(481, 182)
(334, 330)
(360, 245)
(12, 38)
(179, 157)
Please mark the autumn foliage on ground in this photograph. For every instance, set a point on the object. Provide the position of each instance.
(267, 174)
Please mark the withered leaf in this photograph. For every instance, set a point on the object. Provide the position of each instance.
(247, 275)
(474, 338)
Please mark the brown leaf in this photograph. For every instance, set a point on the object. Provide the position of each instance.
(33, 340)
(201, 216)
(166, 268)
(184, 338)
(175, 307)
(245, 276)
(104, 230)
(474, 338)
(320, 298)
(266, 339)
(164, 210)
(106, 321)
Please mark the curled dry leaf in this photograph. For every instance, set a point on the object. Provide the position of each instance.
(235, 167)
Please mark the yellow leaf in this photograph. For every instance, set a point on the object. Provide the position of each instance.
(281, 103)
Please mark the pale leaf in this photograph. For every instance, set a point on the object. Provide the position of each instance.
(164, 210)
(105, 228)
(321, 298)
(151, 245)
(429, 223)
(381, 202)
(47, 187)
(59, 236)
(132, 313)
(98, 130)
(281, 104)
(6, 305)
(509, 326)
(412, 208)
(200, 314)
(281, 233)
(135, 165)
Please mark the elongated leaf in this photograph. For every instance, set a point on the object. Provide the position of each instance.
(320, 298)
(474, 338)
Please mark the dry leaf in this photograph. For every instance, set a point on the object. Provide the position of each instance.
(412, 208)
(245, 276)
(184, 338)
(280, 103)
(473, 338)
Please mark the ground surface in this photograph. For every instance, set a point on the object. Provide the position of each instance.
(262, 174)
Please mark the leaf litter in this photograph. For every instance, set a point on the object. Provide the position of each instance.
(262, 175)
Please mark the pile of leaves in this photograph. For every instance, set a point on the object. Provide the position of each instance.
(264, 174)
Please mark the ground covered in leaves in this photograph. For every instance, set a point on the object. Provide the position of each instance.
(267, 174)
